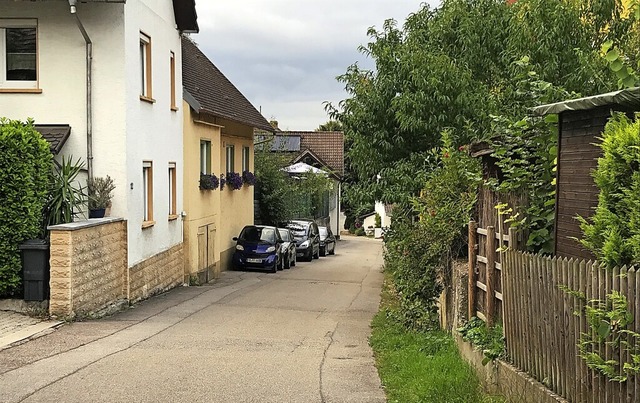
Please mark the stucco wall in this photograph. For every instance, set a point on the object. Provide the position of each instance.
(88, 266)
(62, 79)
(154, 131)
(202, 206)
(236, 206)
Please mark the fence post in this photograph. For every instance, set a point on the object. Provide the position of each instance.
(472, 269)
(491, 266)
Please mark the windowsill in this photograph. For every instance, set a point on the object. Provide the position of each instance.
(173, 217)
(147, 99)
(174, 108)
(148, 224)
(20, 91)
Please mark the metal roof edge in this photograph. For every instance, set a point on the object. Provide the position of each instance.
(628, 97)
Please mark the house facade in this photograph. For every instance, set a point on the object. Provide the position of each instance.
(218, 140)
(111, 73)
(323, 150)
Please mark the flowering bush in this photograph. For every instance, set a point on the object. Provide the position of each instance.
(209, 182)
(234, 180)
(248, 178)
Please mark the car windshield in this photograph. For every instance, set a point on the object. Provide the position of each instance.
(284, 234)
(323, 231)
(258, 234)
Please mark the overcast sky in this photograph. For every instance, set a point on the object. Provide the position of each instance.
(284, 55)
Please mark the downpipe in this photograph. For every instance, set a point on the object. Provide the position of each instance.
(89, 107)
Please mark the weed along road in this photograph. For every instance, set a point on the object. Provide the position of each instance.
(299, 335)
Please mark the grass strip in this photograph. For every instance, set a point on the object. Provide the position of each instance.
(421, 366)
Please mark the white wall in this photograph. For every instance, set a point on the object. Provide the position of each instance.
(126, 130)
(384, 218)
(62, 75)
(154, 132)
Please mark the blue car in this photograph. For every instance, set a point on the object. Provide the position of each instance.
(258, 247)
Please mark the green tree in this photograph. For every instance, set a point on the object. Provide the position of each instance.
(330, 126)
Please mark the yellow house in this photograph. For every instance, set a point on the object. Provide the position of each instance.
(218, 142)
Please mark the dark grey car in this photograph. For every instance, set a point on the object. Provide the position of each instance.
(327, 241)
(307, 237)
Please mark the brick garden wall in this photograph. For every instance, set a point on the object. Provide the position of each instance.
(88, 266)
(156, 274)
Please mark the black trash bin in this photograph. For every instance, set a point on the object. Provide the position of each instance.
(35, 269)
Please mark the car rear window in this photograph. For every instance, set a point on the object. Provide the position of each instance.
(284, 234)
(323, 231)
(257, 234)
(298, 230)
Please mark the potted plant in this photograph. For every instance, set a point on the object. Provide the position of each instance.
(248, 178)
(234, 180)
(209, 182)
(100, 193)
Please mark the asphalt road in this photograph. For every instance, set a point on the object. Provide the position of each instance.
(296, 336)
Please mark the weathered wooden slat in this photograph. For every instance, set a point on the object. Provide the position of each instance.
(482, 231)
(490, 305)
(498, 295)
(481, 316)
(471, 271)
(481, 286)
(481, 259)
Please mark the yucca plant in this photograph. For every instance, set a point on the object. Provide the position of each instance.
(66, 195)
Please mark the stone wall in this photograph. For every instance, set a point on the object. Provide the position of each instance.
(88, 266)
(156, 274)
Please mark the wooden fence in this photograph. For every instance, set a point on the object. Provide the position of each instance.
(486, 254)
(543, 323)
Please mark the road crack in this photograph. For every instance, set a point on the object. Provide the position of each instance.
(330, 335)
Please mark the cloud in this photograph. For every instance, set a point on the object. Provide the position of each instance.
(284, 55)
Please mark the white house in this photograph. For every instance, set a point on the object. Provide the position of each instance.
(110, 71)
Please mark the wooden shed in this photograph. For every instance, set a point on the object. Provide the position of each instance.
(580, 124)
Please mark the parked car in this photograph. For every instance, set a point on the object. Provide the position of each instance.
(327, 241)
(307, 237)
(288, 247)
(258, 247)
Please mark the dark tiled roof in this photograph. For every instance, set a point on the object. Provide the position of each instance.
(186, 17)
(56, 135)
(329, 146)
(278, 143)
(214, 93)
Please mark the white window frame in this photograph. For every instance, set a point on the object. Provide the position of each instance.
(146, 62)
(172, 189)
(246, 156)
(147, 191)
(230, 157)
(16, 23)
(205, 156)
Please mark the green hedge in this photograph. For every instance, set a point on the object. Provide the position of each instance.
(25, 169)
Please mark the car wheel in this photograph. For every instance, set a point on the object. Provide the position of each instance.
(317, 255)
(295, 260)
(287, 263)
(333, 250)
(323, 251)
(275, 268)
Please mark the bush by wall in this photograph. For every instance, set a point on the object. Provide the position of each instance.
(25, 172)
(419, 248)
(613, 233)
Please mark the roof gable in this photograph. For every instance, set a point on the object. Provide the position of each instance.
(212, 92)
(327, 146)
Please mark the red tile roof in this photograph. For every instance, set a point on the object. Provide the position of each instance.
(214, 93)
(329, 146)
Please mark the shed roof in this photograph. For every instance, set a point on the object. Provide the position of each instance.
(628, 97)
(207, 90)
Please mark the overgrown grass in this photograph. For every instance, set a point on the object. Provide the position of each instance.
(420, 366)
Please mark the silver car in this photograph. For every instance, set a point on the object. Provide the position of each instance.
(288, 248)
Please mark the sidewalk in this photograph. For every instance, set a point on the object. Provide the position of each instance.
(16, 327)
